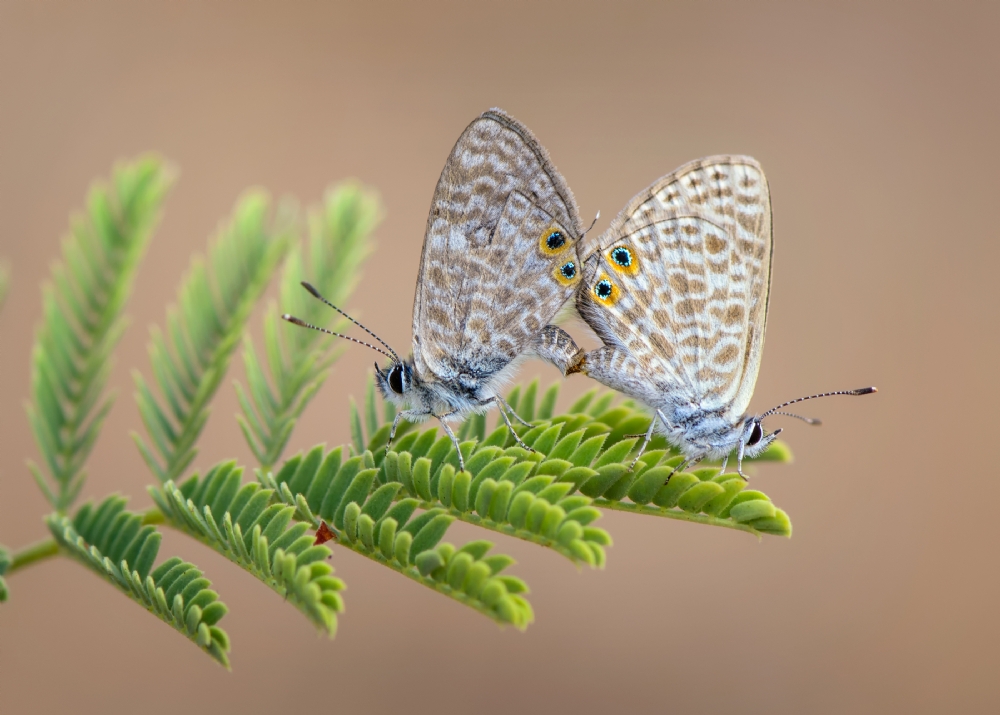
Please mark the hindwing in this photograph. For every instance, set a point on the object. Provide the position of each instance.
(681, 278)
(499, 257)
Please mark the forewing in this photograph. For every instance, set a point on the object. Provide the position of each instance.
(488, 281)
(693, 304)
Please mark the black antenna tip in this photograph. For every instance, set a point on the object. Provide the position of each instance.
(308, 287)
(864, 391)
(292, 319)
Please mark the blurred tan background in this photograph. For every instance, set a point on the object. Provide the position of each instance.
(877, 126)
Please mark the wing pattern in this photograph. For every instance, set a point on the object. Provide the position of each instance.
(691, 304)
(502, 225)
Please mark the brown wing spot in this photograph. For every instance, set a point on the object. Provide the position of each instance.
(662, 345)
(714, 244)
(690, 307)
(734, 314)
(689, 229)
(747, 221)
(727, 355)
(707, 375)
(661, 317)
(679, 282)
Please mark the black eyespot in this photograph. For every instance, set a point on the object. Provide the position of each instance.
(622, 256)
(568, 271)
(603, 289)
(756, 434)
(555, 240)
(396, 379)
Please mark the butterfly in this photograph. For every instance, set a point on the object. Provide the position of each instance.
(499, 260)
(677, 289)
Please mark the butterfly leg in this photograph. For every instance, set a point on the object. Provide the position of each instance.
(502, 403)
(454, 439)
(725, 461)
(681, 467)
(511, 411)
(739, 461)
(554, 345)
(645, 441)
(405, 414)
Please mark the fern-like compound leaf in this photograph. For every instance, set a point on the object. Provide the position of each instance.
(82, 322)
(191, 356)
(243, 523)
(114, 543)
(581, 461)
(367, 517)
(298, 361)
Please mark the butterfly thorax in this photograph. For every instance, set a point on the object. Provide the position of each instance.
(700, 432)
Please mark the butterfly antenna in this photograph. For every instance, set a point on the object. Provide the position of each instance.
(317, 295)
(860, 391)
(807, 420)
(292, 319)
(592, 224)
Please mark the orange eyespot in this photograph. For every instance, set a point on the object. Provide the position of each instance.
(623, 260)
(567, 273)
(606, 292)
(553, 240)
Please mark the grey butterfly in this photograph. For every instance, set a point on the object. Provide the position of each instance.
(677, 289)
(499, 261)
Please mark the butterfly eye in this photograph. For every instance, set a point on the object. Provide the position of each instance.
(396, 379)
(756, 434)
(553, 241)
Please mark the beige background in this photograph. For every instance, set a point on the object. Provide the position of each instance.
(877, 126)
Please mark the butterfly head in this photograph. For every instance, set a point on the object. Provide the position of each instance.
(395, 381)
(754, 439)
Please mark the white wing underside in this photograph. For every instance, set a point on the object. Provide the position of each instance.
(693, 311)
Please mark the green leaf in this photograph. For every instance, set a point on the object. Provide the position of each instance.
(113, 543)
(82, 321)
(252, 528)
(298, 361)
(190, 357)
(392, 535)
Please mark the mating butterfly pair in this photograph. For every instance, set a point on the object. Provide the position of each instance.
(676, 288)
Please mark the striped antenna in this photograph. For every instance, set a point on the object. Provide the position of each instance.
(316, 294)
(859, 391)
(295, 321)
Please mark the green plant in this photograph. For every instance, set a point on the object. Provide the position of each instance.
(394, 508)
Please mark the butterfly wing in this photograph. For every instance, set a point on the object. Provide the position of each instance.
(490, 272)
(691, 305)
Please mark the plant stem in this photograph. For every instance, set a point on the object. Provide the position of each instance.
(674, 514)
(35, 552)
(47, 548)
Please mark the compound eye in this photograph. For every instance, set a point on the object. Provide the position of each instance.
(756, 434)
(396, 379)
